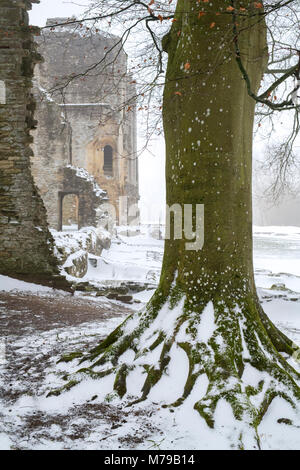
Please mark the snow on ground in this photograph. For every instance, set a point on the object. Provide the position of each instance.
(277, 250)
(277, 275)
(8, 284)
(130, 258)
(85, 418)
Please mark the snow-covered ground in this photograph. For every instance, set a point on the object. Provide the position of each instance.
(130, 258)
(84, 417)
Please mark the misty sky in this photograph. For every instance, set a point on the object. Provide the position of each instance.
(52, 8)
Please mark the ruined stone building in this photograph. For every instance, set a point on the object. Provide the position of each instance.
(85, 138)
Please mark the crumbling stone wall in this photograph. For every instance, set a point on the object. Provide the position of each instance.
(70, 210)
(90, 196)
(26, 245)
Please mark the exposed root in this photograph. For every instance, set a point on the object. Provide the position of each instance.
(227, 343)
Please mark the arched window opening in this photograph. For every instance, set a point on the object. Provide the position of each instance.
(70, 212)
(108, 160)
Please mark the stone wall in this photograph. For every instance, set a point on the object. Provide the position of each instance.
(26, 245)
(70, 210)
(51, 154)
(90, 197)
(75, 248)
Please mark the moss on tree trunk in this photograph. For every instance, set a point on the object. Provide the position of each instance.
(208, 122)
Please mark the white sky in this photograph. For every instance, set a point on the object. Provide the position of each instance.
(52, 8)
(151, 168)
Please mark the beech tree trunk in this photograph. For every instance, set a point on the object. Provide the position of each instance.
(208, 123)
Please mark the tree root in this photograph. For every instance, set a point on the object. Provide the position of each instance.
(242, 337)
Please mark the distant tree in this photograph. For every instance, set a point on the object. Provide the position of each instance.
(206, 305)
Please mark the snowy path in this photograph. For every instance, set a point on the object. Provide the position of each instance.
(37, 330)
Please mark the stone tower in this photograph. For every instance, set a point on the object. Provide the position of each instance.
(84, 124)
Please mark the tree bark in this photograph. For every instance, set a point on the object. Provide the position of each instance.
(208, 124)
(208, 131)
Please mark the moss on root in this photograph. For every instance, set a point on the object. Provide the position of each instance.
(239, 339)
(70, 357)
(120, 380)
(65, 388)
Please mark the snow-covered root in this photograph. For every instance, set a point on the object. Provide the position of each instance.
(230, 346)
